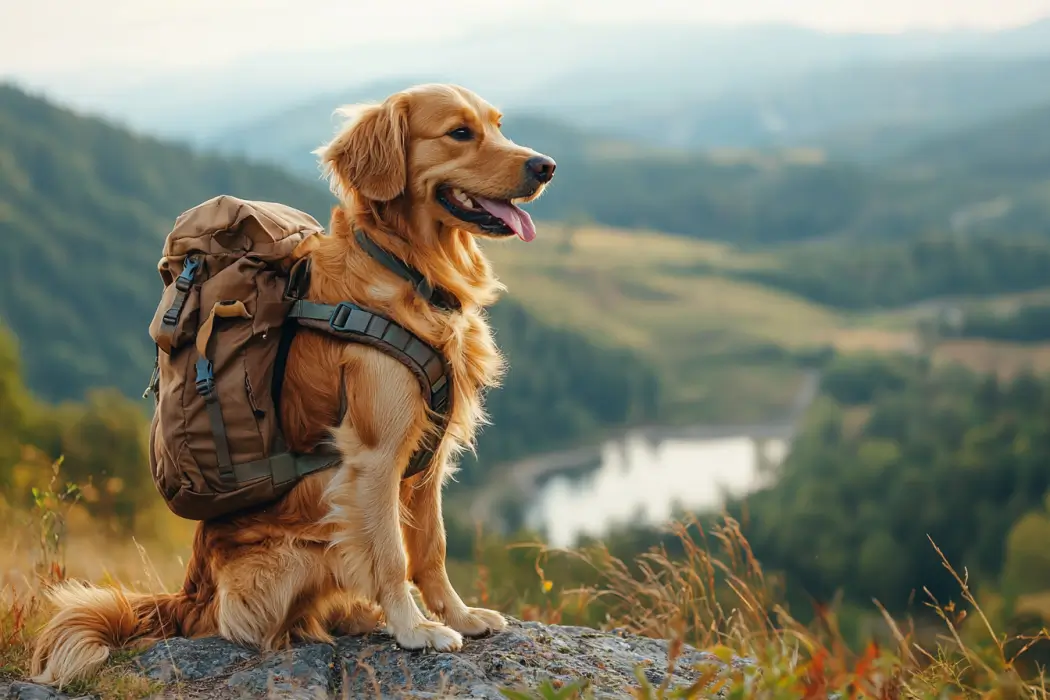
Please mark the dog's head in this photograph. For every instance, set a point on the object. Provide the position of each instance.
(440, 148)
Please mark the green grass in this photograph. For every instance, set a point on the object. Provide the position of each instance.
(664, 297)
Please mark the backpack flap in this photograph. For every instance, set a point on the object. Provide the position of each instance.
(227, 225)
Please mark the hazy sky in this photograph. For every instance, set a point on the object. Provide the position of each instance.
(46, 37)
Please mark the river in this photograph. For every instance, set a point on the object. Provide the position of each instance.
(641, 477)
(640, 481)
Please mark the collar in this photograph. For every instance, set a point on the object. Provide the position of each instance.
(438, 297)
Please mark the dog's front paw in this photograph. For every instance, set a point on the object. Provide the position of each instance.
(430, 634)
(477, 622)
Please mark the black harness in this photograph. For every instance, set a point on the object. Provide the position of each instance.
(355, 324)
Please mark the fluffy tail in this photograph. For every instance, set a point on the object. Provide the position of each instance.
(92, 621)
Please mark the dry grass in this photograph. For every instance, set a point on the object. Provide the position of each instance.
(56, 541)
(714, 596)
(719, 599)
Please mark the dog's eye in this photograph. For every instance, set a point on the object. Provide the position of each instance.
(463, 133)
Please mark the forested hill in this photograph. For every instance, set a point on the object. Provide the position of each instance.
(991, 178)
(84, 208)
(1013, 147)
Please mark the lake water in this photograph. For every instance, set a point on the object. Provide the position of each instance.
(642, 479)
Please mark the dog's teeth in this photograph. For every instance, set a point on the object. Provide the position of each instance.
(463, 198)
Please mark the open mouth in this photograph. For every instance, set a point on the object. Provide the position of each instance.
(499, 217)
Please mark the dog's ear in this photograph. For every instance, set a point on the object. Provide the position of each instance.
(369, 155)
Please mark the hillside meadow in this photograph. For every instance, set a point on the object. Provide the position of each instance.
(728, 345)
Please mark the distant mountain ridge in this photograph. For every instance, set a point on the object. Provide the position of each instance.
(580, 76)
(862, 110)
(857, 111)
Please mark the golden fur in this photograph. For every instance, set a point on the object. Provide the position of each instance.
(340, 551)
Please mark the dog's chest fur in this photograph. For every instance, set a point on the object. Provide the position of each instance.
(465, 339)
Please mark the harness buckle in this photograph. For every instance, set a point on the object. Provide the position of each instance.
(341, 316)
(349, 318)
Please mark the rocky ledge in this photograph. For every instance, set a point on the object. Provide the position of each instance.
(521, 658)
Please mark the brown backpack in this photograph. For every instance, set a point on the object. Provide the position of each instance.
(222, 335)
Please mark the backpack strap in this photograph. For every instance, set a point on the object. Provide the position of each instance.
(205, 383)
(285, 467)
(353, 323)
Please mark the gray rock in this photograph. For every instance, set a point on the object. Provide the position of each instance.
(191, 660)
(522, 657)
(302, 672)
(31, 691)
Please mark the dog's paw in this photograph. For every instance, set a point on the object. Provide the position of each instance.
(477, 622)
(430, 634)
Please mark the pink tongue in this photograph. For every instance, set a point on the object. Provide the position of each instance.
(513, 216)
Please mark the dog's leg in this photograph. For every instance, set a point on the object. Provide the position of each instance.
(425, 537)
(384, 421)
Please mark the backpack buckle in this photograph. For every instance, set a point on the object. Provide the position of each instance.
(185, 279)
(205, 378)
(182, 286)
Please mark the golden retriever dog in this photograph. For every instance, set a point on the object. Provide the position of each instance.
(424, 174)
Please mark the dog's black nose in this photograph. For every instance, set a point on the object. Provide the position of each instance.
(540, 168)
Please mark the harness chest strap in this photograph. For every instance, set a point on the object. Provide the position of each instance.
(438, 297)
(353, 323)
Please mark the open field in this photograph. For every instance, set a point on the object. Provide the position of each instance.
(661, 296)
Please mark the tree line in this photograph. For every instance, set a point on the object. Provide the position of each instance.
(894, 274)
(896, 454)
